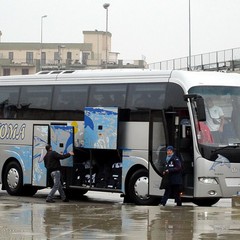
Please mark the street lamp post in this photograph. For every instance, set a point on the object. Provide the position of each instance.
(97, 47)
(189, 35)
(44, 16)
(106, 5)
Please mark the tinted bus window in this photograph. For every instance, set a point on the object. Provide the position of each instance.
(8, 101)
(174, 96)
(69, 102)
(35, 102)
(70, 97)
(147, 95)
(108, 95)
(36, 97)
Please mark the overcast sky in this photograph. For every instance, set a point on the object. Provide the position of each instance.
(155, 29)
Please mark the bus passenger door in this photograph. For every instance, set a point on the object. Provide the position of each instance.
(157, 150)
(62, 142)
(40, 139)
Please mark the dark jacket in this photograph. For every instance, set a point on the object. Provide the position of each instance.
(165, 177)
(52, 160)
(174, 168)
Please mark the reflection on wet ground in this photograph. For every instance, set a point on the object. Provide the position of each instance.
(94, 218)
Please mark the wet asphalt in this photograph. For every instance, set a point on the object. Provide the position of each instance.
(101, 215)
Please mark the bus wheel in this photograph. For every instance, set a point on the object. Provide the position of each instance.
(138, 188)
(13, 179)
(205, 202)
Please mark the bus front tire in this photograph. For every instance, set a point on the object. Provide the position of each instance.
(13, 179)
(138, 188)
(205, 202)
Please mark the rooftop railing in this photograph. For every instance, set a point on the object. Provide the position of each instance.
(224, 60)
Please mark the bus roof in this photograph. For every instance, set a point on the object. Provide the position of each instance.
(186, 79)
(86, 76)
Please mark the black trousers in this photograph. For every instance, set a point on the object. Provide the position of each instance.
(175, 192)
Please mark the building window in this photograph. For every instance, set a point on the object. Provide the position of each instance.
(25, 71)
(56, 57)
(6, 71)
(85, 57)
(29, 57)
(10, 56)
(43, 59)
(69, 58)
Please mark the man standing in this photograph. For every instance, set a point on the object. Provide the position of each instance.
(172, 169)
(52, 163)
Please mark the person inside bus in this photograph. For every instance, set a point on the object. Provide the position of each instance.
(235, 117)
(52, 163)
(142, 101)
(215, 120)
(205, 133)
(171, 172)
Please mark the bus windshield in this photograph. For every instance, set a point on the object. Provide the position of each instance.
(222, 108)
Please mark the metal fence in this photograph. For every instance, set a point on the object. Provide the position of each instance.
(225, 60)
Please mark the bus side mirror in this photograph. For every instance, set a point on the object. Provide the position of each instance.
(200, 106)
(201, 114)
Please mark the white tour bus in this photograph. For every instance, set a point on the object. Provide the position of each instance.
(118, 123)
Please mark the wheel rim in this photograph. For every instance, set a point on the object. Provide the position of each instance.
(141, 188)
(13, 178)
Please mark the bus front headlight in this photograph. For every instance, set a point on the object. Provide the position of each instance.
(207, 180)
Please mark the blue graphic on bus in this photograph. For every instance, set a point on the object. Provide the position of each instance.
(220, 161)
(100, 127)
(39, 175)
(24, 156)
(62, 142)
(88, 122)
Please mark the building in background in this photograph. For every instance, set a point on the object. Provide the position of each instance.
(21, 58)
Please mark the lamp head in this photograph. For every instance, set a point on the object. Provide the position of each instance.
(106, 5)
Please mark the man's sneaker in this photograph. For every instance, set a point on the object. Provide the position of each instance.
(50, 201)
(65, 200)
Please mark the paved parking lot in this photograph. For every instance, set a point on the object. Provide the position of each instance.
(104, 216)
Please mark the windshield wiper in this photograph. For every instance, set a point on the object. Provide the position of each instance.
(230, 145)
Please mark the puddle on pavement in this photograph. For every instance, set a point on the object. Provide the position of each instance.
(116, 221)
